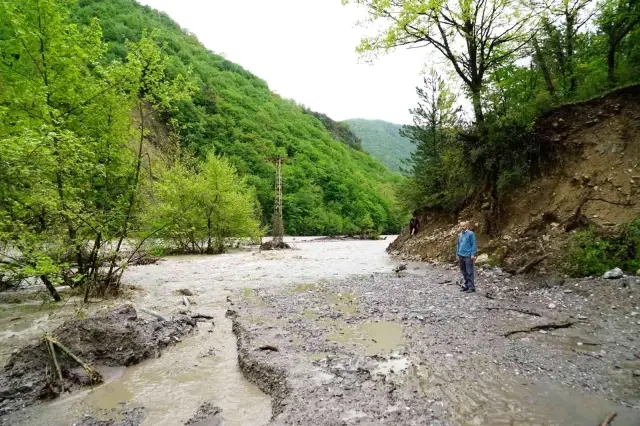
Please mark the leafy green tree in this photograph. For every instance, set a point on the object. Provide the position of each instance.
(616, 19)
(69, 173)
(198, 210)
(474, 36)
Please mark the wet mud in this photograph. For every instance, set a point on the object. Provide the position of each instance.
(119, 338)
(412, 349)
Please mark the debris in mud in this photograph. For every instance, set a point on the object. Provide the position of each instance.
(271, 245)
(132, 417)
(400, 267)
(207, 415)
(269, 348)
(541, 327)
(184, 292)
(144, 259)
(118, 338)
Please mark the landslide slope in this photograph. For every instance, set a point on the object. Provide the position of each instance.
(329, 187)
(594, 180)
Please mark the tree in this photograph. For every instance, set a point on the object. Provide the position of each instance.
(562, 20)
(199, 209)
(436, 122)
(69, 175)
(474, 36)
(616, 20)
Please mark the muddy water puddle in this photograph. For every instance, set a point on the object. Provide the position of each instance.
(492, 398)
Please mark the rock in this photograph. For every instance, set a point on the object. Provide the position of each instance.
(551, 306)
(400, 267)
(184, 292)
(613, 274)
(483, 258)
(554, 281)
(207, 415)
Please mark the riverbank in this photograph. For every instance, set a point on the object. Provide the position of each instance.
(327, 334)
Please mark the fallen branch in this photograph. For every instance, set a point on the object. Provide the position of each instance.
(551, 326)
(154, 314)
(522, 311)
(54, 359)
(269, 348)
(615, 203)
(587, 354)
(609, 419)
(93, 374)
(529, 266)
(201, 316)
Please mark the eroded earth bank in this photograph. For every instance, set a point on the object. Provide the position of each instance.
(327, 333)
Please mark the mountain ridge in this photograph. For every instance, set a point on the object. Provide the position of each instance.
(382, 139)
(330, 188)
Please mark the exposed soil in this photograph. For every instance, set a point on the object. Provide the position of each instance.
(130, 417)
(207, 415)
(412, 349)
(119, 338)
(593, 179)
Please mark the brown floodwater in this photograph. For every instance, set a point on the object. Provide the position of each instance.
(203, 367)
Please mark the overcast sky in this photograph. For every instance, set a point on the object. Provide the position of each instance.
(305, 50)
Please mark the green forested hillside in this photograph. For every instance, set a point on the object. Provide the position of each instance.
(382, 140)
(329, 187)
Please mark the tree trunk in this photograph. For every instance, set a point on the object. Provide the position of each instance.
(209, 246)
(542, 63)
(51, 288)
(611, 65)
(477, 105)
(569, 51)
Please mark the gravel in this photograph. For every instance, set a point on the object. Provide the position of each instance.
(411, 348)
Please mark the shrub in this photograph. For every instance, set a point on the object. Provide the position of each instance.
(592, 254)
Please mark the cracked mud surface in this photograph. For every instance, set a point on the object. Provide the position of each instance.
(412, 349)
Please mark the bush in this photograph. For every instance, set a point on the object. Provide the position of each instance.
(592, 254)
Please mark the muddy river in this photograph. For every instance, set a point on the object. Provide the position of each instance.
(326, 305)
(202, 367)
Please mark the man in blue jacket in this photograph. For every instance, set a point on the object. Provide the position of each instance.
(467, 252)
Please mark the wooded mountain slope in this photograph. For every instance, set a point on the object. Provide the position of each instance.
(330, 188)
(382, 140)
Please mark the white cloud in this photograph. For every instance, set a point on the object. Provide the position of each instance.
(305, 50)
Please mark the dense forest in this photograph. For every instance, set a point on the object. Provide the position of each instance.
(329, 188)
(383, 140)
(119, 130)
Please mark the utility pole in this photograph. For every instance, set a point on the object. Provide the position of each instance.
(278, 222)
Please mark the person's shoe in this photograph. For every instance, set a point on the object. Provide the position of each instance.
(470, 290)
(464, 289)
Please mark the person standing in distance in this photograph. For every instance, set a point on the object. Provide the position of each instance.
(467, 253)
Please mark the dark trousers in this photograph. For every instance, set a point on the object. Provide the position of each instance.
(467, 269)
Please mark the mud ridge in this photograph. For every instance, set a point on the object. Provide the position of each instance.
(270, 379)
(117, 338)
